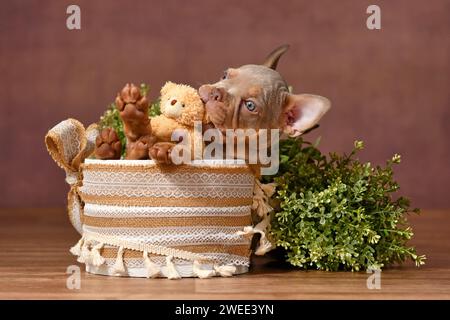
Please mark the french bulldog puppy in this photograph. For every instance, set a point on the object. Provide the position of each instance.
(257, 97)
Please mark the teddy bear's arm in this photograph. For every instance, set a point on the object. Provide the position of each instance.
(162, 128)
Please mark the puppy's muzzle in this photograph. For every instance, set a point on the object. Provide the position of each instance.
(209, 93)
(215, 104)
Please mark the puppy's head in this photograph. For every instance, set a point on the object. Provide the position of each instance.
(257, 97)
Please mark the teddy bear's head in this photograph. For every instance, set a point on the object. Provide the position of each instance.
(181, 103)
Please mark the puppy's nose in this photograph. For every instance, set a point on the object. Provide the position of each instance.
(173, 102)
(217, 94)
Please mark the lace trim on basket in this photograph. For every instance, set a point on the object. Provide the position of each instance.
(170, 236)
(111, 211)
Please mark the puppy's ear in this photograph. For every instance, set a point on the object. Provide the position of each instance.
(167, 87)
(273, 57)
(301, 112)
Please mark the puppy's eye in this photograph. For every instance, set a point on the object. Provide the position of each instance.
(250, 105)
(182, 105)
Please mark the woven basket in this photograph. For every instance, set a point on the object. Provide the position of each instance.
(141, 219)
(175, 214)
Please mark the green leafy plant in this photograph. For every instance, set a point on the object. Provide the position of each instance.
(111, 117)
(337, 213)
(154, 109)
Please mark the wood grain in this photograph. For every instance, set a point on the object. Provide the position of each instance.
(34, 256)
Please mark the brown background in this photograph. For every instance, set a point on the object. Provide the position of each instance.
(388, 87)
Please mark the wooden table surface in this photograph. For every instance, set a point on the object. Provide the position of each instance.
(34, 256)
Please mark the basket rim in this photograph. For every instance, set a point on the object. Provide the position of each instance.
(194, 163)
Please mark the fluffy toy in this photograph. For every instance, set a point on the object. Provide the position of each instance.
(180, 106)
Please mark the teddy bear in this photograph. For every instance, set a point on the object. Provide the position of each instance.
(180, 107)
(146, 137)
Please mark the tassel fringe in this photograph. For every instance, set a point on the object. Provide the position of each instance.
(199, 272)
(76, 249)
(248, 231)
(261, 195)
(225, 271)
(172, 272)
(260, 206)
(85, 254)
(153, 270)
(89, 254)
(119, 266)
(96, 258)
(264, 244)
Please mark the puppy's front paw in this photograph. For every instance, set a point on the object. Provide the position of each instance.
(160, 152)
(107, 145)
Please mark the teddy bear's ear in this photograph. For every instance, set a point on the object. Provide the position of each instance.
(167, 87)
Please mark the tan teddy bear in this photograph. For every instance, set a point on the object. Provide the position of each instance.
(180, 106)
